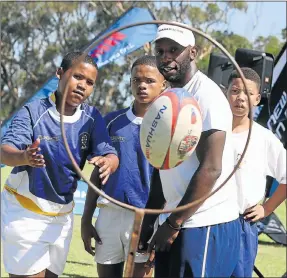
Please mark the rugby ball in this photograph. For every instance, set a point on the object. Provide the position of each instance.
(171, 128)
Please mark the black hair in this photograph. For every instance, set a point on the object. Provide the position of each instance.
(71, 57)
(147, 60)
(248, 73)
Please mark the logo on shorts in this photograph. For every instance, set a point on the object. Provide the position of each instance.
(187, 144)
(84, 140)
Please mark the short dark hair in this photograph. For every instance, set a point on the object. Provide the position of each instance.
(70, 57)
(248, 73)
(147, 60)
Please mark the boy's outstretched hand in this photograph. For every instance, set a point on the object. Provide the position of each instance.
(107, 165)
(32, 158)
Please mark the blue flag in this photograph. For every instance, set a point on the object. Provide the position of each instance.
(112, 48)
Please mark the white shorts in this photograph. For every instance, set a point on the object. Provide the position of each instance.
(114, 227)
(33, 242)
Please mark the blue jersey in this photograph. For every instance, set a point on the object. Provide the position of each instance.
(50, 190)
(131, 182)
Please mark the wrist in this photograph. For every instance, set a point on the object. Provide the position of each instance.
(24, 158)
(173, 225)
(86, 219)
(176, 222)
(267, 211)
(112, 161)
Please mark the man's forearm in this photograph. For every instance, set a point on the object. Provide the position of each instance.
(12, 157)
(275, 200)
(200, 185)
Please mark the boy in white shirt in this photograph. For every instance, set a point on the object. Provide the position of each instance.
(265, 156)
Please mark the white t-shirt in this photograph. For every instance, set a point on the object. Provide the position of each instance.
(265, 156)
(216, 114)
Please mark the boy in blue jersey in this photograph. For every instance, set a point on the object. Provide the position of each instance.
(129, 184)
(265, 156)
(37, 201)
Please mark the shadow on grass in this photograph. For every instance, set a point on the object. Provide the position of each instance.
(73, 262)
(76, 275)
(268, 243)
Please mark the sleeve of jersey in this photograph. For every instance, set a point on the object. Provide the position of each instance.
(276, 155)
(20, 132)
(216, 113)
(101, 141)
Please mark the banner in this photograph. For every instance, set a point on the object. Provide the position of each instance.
(112, 48)
(273, 115)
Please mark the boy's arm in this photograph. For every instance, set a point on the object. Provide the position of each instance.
(276, 168)
(275, 200)
(17, 146)
(156, 200)
(88, 231)
(102, 154)
(91, 197)
(259, 211)
(12, 156)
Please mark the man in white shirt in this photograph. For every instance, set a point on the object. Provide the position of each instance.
(204, 239)
(265, 156)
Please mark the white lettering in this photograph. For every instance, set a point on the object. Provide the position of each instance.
(279, 108)
(278, 133)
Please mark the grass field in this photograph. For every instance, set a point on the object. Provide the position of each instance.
(271, 258)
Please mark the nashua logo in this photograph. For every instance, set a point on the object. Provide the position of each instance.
(153, 128)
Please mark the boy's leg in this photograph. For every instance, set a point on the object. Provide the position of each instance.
(33, 245)
(248, 249)
(61, 236)
(25, 250)
(110, 254)
(110, 270)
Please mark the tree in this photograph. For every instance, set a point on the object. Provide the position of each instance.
(271, 44)
(35, 36)
(32, 42)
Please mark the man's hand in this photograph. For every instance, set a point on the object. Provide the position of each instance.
(104, 163)
(161, 242)
(254, 213)
(32, 158)
(88, 232)
(163, 238)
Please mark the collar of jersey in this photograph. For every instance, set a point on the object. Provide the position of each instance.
(56, 115)
(132, 117)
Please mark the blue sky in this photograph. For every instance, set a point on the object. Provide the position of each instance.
(262, 18)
